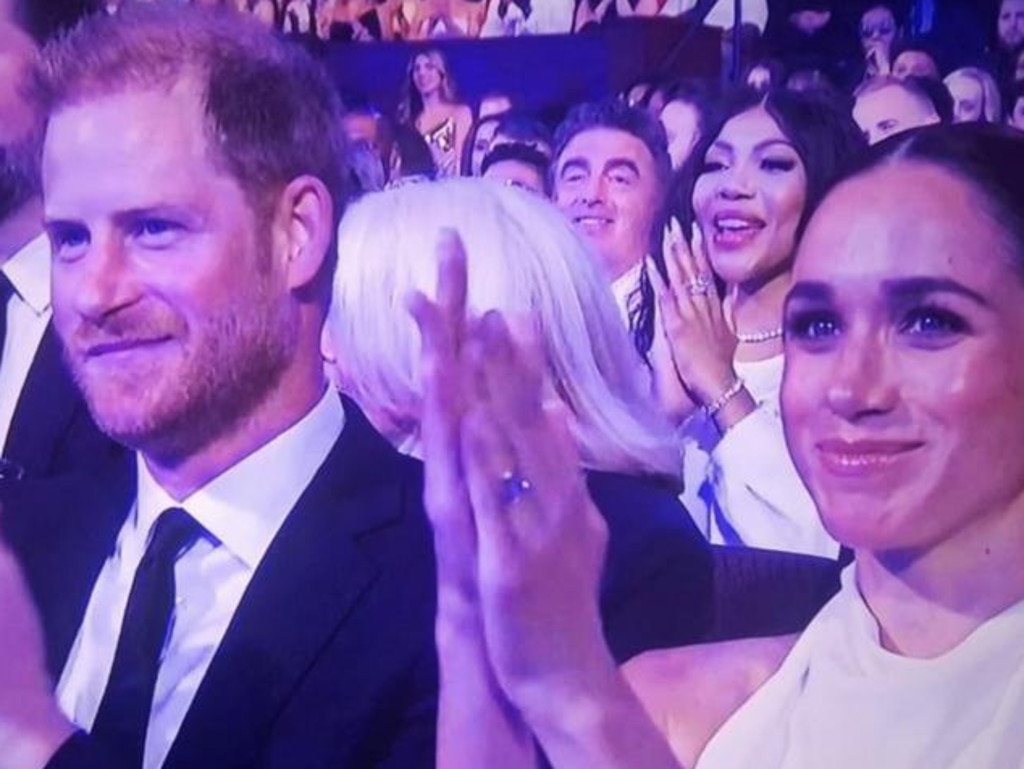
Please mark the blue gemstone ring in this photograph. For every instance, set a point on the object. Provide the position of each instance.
(513, 487)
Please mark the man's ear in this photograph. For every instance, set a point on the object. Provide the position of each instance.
(306, 213)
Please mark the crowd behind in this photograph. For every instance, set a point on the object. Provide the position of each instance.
(448, 435)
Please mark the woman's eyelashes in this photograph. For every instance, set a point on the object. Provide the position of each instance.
(933, 322)
(811, 325)
(927, 325)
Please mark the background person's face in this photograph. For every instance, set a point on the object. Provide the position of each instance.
(1010, 24)
(968, 100)
(173, 311)
(749, 199)
(915, 64)
(903, 394)
(607, 184)
(888, 111)
(877, 28)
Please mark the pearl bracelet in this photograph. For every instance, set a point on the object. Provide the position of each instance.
(710, 409)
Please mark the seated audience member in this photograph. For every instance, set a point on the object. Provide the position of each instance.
(1015, 69)
(813, 36)
(1010, 25)
(880, 31)
(740, 208)
(518, 165)
(904, 412)
(494, 103)
(684, 116)
(430, 104)
(887, 105)
(45, 427)
(522, 128)
(645, 94)
(365, 167)
(915, 59)
(506, 18)
(522, 257)
(975, 96)
(252, 587)
(478, 143)
(411, 158)
(362, 122)
(610, 172)
(764, 75)
(1015, 107)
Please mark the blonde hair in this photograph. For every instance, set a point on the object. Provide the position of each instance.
(991, 103)
(523, 258)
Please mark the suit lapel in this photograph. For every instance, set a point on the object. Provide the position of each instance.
(302, 592)
(46, 406)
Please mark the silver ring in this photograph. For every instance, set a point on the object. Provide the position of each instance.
(700, 286)
(513, 487)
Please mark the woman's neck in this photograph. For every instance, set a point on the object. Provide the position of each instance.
(927, 603)
(432, 99)
(756, 309)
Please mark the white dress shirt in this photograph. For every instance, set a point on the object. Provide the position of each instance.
(28, 312)
(241, 511)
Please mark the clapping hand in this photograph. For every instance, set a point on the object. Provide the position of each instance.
(516, 533)
(700, 341)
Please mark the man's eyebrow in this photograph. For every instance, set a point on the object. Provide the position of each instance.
(574, 164)
(618, 163)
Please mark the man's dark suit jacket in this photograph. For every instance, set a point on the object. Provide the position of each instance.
(329, 661)
(51, 432)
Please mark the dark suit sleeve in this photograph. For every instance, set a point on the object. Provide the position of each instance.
(657, 589)
(80, 751)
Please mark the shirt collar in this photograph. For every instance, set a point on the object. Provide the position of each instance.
(29, 273)
(244, 506)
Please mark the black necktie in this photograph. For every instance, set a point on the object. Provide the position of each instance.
(123, 715)
(6, 292)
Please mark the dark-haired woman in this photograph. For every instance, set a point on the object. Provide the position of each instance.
(742, 202)
(904, 409)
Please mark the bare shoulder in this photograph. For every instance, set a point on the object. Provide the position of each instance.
(691, 691)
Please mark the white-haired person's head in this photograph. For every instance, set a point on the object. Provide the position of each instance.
(524, 259)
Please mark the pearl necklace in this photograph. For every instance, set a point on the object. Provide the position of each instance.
(760, 336)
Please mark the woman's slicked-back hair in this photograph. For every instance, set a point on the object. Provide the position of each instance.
(272, 113)
(525, 260)
(986, 156)
(821, 130)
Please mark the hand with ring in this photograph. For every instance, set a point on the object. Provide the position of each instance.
(520, 545)
(700, 342)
